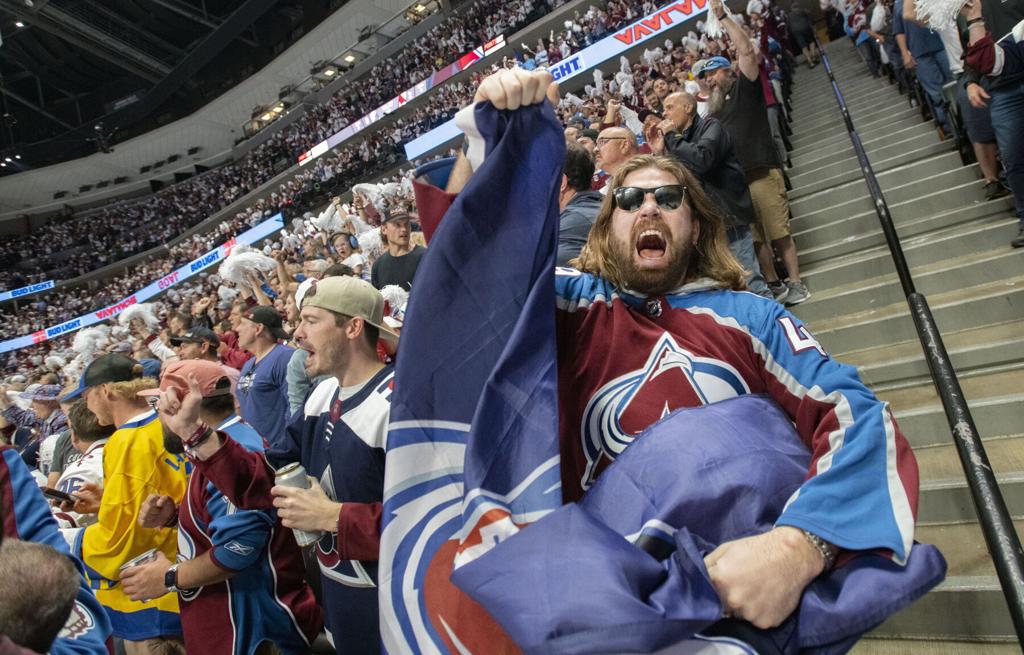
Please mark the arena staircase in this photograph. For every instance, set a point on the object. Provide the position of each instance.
(957, 246)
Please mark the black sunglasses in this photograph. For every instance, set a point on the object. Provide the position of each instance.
(630, 198)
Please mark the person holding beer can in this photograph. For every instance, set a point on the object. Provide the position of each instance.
(338, 437)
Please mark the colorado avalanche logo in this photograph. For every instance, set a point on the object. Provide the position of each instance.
(350, 573)
(671, 378)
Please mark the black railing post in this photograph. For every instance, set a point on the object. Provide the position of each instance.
(996, 524)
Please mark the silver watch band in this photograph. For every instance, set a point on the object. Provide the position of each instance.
(826, 550)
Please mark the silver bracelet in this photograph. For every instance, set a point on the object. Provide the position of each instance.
(826, 550)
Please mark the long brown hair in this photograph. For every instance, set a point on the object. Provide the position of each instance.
(711, 257)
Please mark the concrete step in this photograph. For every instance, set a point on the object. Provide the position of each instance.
(978, 348)
(848, 169)
(901, 184)
(994, 302)
(803, 139)
(826, 119)
(926, 425)
(963, 608)
(845, 160)
(877, 646)
(939, 262)
(963, 546)
(827, 105)
(826, 240)
(940, 462)
(843, 147)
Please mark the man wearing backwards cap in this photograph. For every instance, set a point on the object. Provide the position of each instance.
(263, 384)
(339, 438)
(135, 465)
(240, 576)
(202, 343)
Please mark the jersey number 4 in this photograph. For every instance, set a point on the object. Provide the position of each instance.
(799, 338)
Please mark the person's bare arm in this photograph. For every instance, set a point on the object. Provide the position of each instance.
(746, 55)
(908, 59)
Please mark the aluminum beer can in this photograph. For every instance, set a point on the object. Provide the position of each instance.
(145, 557)
(294, 475)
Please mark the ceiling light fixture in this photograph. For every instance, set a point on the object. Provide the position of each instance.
(18, 23)
(350, 58)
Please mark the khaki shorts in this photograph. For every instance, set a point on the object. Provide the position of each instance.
(771, 204)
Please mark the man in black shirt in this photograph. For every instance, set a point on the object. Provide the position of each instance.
(398, 265)
(737, 100)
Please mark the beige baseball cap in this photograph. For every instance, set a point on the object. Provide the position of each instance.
(352, 297)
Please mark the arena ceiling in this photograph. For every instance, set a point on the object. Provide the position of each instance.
(127, 66)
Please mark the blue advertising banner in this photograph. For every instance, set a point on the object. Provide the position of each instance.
(250, 236)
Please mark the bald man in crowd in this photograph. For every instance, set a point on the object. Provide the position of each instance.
(703, 146)
(614, 146)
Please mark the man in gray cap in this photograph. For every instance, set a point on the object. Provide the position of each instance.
(339, 438)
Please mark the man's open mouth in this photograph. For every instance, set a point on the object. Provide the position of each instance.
(651, 244)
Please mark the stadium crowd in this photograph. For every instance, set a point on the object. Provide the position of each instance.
(189, 203)
(292, 343)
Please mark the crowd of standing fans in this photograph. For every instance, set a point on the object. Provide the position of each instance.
(152, 433)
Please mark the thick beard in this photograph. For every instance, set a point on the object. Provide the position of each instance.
(716, 100)
(172, 442)
(648, 282)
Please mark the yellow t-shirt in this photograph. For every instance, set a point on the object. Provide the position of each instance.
(135, 465)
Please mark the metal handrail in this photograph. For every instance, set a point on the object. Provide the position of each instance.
(997, 526)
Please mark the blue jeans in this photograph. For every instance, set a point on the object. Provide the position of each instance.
(741, 243)
(933, 73)
(1008, 122)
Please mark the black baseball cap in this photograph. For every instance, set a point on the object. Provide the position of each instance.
(269, 318)
(112, 367)
(197, 335)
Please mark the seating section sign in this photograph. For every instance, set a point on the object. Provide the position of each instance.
(155, 288)
(583, 61)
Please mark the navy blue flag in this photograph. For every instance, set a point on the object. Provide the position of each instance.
(473, 441)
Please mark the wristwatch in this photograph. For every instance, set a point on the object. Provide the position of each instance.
(171, 579)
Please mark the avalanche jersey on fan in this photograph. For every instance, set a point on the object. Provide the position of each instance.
(87, 469)
(626, 361)
(25, 515)
(135, 465)
(340, 441)
(267, 599)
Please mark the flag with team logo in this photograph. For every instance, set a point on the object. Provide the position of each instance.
(472, 452)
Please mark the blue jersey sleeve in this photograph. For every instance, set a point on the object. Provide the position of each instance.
(239, 536)
(87, 629)
(861, 491)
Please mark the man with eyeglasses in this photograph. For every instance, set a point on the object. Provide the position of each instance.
(614, 146)
(655, 320)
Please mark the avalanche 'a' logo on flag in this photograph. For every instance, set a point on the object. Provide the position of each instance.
(473, 443)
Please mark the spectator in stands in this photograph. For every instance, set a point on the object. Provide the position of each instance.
(204, 344)
(923, 53)
(704, 148)
(588, 139)
(263, 383)
(135, 464)
(268, 599)
(801, 30)
(613, 147)
(577, 202)
(398, 265)
(339, 438)
(737, 100)
(43, 419)
(88, 438)
(38, 589)
(1002, 62)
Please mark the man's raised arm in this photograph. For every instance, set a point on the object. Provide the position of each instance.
(745, 52)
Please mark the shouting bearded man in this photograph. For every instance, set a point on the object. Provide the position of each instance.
(654, 319)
